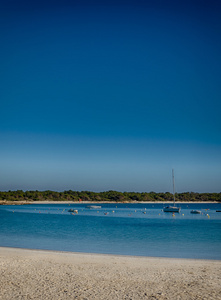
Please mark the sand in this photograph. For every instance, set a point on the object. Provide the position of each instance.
(33, 274)
(23, 202)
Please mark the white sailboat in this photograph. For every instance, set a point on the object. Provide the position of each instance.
(172, 208)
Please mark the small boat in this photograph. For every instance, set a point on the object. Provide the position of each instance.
(73, 210)
(195, 212)
(173, 208)
(93, 206)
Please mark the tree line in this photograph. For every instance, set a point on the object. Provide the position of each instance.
(115, 196)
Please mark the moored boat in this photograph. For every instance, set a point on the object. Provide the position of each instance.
(195, 212)
(73, 210)
(93, 206)
(173, 208)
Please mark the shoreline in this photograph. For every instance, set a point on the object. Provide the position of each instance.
(44, 274)
(4, 202)
(58, 252)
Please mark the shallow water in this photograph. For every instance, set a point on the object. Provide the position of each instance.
(127, 229)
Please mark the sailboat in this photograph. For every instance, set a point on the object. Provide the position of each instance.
(172, 208)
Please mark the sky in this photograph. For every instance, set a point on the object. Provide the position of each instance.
(110, 95)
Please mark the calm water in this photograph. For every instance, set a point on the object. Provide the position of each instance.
(128, 229)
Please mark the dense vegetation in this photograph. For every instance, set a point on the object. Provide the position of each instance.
(106, 196)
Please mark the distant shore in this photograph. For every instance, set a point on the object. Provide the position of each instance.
(5, 202)
(107, 197)
(36, 274)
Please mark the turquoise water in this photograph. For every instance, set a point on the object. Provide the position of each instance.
(126, 229)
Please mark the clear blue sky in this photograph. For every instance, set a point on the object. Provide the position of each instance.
(101, 95)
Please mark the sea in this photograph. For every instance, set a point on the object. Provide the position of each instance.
(118, 228)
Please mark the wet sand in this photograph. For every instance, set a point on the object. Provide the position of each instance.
(33, 274)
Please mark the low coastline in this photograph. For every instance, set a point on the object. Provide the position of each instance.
(39, 274)
(4, 202)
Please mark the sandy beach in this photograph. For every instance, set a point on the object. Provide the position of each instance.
(26, 202)
(33, 274)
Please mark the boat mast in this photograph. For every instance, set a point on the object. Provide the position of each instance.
(173, 187)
